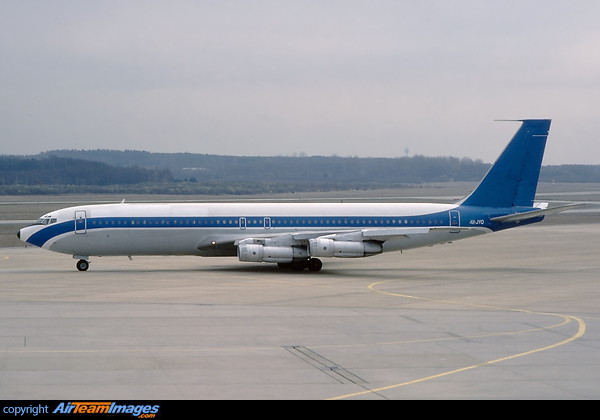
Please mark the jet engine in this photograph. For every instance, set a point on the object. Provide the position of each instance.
(258, 252)
(325, 247)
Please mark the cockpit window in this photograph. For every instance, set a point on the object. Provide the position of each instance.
(45, 220)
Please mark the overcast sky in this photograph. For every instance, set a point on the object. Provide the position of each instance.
(352, 78)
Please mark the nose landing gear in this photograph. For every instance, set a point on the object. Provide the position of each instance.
(83, 265)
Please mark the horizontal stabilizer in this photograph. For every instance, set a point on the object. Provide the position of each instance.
(517, 217)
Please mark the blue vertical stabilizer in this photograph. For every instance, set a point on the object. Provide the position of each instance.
(512, 180)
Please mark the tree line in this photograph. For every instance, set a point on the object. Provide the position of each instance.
(54, 170)
(304, 169)
(111, 171)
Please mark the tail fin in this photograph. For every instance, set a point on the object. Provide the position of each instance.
(512, 180)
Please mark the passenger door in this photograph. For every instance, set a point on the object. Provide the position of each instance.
(80, 222)
(454, 218)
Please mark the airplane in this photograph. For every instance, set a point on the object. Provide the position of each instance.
(297, 235)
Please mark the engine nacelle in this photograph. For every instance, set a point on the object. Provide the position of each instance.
(325, 247)
(273, 254)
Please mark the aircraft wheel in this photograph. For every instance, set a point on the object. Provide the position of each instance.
(314, 264)
(298, 265)
(83, 265)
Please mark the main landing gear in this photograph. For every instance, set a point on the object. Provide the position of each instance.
(83, 265)
(313, 264)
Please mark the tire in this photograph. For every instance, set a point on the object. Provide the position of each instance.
(298, 265)
(314, 264)
(83, 265)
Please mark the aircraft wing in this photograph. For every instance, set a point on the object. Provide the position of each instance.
(372, 234)
(227, 244)
(517, 217)
(379, 234)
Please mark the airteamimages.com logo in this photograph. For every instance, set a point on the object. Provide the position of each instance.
(92, 408)
(142, 411)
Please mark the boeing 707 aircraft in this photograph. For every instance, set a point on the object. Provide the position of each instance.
(297, 235)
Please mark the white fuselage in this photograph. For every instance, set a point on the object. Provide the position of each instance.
(189, 228)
